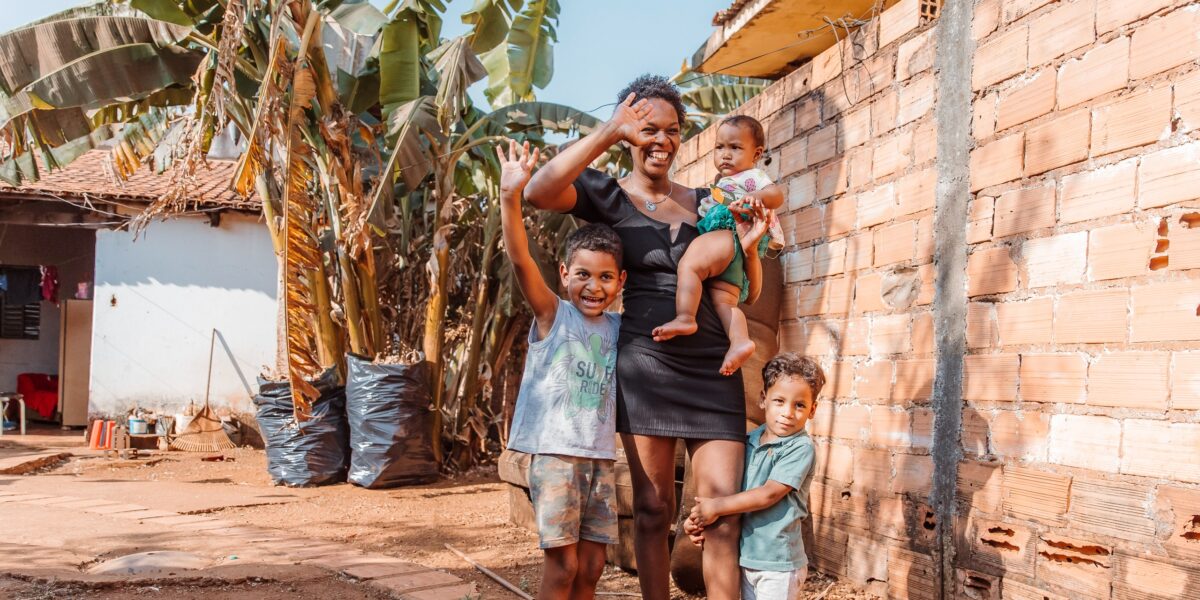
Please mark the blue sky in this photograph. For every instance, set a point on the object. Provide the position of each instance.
(603, 44)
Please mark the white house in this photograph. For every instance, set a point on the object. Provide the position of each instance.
(155, 301)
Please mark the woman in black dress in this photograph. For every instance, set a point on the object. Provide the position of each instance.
(665, 390)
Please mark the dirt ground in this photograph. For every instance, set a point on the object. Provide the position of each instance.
(469, 512)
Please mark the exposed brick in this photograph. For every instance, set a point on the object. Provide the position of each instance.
(889, 334)
(983, 116)
(831, 179)
(1143, 117)
(808, 113)
(1000, 58)
(915, 192)
(1082, 566)
(836, 296)
(1036, 495)
(1023, 210)
(805, 226)
(872, 468)
(858, 161)
(1178, 508)
(1022, 436)
(924, 142)
(914, 474)
(1031, 99)
(1169, 176)
(896, 243)
(979, 226)
(1008, 548)
(890, 427)
(839, 466)
(914, 380)
(1017, 590)
(910, 575)
(922, 420)
(792, 338)
(991, 271)
(1102, 70)
(915, 55)
(981, 325)
(1100, 193)
(1185, 383)
(840, 216)
(829, 555)
(878, 73)
(1164, 43)
(1185, 248)
(876, 206)
(1166, 312)
(1085, 441)
(917, 98)
(792, 157)
(1015, 9)
(1057, 378)
(1062, 30)
(1129, 380)
(987, 18)
(1055, 260)
(1111, 14)
(840, 384)
(898, 20)
(856, 127)
(1112, 508)
(808, 300)
(1120, 251)
(823, 144)
(883, 112)
(926, 293)
(829, 258)
(1028, 322)
(860, 251)
(851, 421)
(801, 190)
(854, 337)
(781, 128)
(997, 162)
(990, 377)
(797, 265)
(891, 155)
(867, 294)
(826, 66)
(1187, 100)
(979, 486)
(926, 245)
(1059, 142)
(922, 334)
(1156, 449)
(874, 380)
(974, 433)
(1143, 577)
(1092, 317)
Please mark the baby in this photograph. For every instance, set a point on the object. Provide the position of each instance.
(728, 260)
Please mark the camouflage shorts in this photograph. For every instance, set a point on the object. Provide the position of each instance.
(573, 499)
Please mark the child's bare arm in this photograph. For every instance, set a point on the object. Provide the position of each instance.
(515, 169)
(766, 495)
(771, 197)
(750, 232)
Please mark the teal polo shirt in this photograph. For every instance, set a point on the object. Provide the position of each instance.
(771, 539)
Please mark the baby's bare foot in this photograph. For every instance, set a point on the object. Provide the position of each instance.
(737, 354)
(680, 325)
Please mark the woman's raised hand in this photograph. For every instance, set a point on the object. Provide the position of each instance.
(516, 166)
(629, 118)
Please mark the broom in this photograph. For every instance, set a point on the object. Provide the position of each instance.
(205, 433)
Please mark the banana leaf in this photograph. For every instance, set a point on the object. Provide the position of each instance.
(399, 62)
(163, 10)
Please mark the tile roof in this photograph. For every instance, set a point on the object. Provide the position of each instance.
(725, 15)
(92, 176)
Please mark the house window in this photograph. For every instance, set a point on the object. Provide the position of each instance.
(21, 319)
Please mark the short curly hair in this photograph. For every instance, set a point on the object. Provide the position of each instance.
(749, 124)
(596, 237)
(792, 364)
(655, 86)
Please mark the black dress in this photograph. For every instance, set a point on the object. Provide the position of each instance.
(672, 388)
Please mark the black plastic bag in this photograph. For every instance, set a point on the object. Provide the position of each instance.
(310, 453)
(390, 424)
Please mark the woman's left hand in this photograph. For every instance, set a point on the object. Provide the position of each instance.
(751, 231)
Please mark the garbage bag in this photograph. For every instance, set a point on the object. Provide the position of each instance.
(310, 453)
(390, 424)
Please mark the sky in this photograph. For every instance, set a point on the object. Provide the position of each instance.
(603, 44)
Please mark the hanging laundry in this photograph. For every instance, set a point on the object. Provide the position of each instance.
(50, 283)
(24, 285)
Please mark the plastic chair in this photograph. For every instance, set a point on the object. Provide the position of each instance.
(4, 400)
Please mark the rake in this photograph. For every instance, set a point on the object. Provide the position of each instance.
(205, 433)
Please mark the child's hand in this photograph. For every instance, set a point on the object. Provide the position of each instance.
(749, 207)
(516, 167)
(750, 232)
(694, 532)
(703, 513)
(628, 119)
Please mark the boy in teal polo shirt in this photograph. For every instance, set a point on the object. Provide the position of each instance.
(774, 497)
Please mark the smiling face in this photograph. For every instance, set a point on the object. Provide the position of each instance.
(736, 150)
(593, 280)
(662, 127)
(788, 405)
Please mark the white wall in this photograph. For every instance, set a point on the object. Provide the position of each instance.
(71, 250)
(157, 301)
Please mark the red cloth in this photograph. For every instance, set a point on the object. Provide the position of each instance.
(50, 284)
(40, 392)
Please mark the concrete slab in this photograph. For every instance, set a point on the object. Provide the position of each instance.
(19, 461)
(151, 563)
(453, 592)
(176, 496)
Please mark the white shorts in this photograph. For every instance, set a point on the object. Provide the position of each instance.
(773, 585)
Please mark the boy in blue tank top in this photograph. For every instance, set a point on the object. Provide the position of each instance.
(566, 409)
(779, 472)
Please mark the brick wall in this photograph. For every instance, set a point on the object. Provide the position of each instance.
(1081, 399)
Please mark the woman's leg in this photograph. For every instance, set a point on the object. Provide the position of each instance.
(589, 557)
(706, 257)
(652, 470)
(725, 300)
(717, 468)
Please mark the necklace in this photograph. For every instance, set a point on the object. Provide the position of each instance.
(653, 206)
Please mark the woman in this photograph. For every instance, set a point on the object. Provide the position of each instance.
(665, 390)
